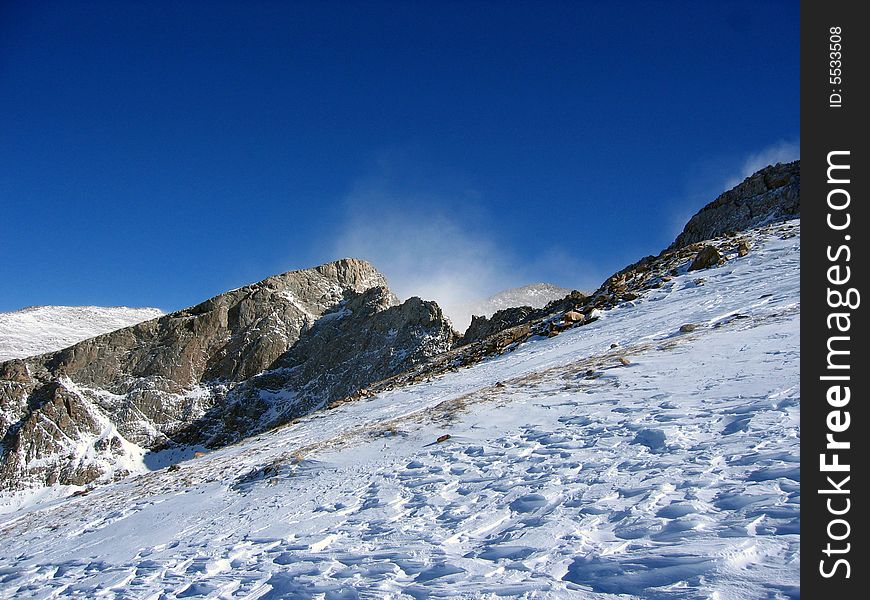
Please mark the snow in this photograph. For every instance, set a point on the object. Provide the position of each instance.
(40, 329)
(568, 473)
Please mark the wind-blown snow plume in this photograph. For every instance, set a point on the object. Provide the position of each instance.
(429, 255)
(429, 235)
(780, 152)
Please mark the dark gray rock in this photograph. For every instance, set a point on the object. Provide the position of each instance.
(367, 338)
(483, 327)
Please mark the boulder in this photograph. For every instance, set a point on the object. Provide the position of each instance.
(708, 256)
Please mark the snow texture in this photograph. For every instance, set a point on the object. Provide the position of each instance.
(40, 329)
(664, 467)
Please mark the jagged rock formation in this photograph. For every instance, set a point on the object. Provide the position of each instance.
(40, 329)
(368, 337)
(769, 195)
(72, 416)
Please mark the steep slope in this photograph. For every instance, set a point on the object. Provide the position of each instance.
(86, 412)
(40, 329)
(664, 467)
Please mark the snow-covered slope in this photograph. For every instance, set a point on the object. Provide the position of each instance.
(663, 467)
(39, 329)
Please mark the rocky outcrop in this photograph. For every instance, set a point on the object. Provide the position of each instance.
(175, 376)
(770, 195)
(482, 327)
(365, 340)
(535, 295)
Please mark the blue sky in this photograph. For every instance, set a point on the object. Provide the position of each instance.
(155, 154)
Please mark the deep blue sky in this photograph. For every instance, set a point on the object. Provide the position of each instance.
(155, 154)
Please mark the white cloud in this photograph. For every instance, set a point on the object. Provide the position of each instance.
(438, 246)
(426, 254)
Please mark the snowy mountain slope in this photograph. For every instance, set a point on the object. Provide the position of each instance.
(40, 329)
(568, 473)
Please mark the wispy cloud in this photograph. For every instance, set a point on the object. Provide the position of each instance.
(435, 244)
(714, 175)
(780, 152)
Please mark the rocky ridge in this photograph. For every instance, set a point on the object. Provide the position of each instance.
(535, 295)
(771, 195)
(764, 200)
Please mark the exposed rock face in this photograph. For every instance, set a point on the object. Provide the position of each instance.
(772, 194)
(367, 338)
(535, 295)
(176, 375)
(482, 327)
